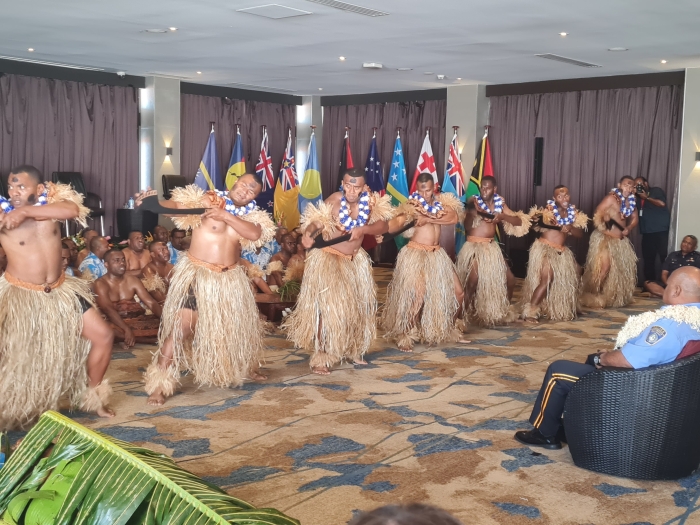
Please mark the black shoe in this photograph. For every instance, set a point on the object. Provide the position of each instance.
(534, 438)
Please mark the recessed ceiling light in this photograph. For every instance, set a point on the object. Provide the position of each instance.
(31, 49)
(663, 61)
(617, 49)
(155, 31)
(404, 69)
(428, 73)
(459, 78)
(563, 34)
(342, 59)
(199, 72)
(173, 28)
(320, 89)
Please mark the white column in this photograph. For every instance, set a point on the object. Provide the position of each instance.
(310, 113)
(686, 209)
(468, 108)
(160, 129)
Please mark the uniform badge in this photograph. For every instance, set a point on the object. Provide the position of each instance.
(656, 334)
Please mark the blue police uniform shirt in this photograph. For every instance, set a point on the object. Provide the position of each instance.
(174, 254)
(659, 343)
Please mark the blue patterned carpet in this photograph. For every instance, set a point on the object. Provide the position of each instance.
(433, 426)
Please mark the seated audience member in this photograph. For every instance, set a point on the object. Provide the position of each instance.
(414, 514)
(92, 267)
(256, 276)
(285, 259)
(160, 234)
(115, 293)
(255, 263)
(73, 251)
(175, 246)
(686, 256)
(276, 243)
(65, 259)
(3, 260)
(651, 338)
(136, 256)
(156, 274)
(88, 235)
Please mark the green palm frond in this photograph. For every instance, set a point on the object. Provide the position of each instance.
(289, 290)
(88, 478)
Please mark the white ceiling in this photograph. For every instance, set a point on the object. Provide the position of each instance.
(485, 41)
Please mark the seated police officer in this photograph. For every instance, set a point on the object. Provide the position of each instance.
(651, 338)
(686, 256)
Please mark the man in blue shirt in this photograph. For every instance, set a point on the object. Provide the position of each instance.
(660, 341)
(175, 246)
(92, 267)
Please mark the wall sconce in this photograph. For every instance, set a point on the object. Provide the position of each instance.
(697, 156)
(169, 151)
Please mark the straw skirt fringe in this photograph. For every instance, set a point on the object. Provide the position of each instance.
(227, 342)
(490, 304)
(335, 315)
(618, 287)
(42, 354)
(421, 303)
(562, 293)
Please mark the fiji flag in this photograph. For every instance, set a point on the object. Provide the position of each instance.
(264, 170)
(454, 183)
(311, 191)
(236, 166)
(208, 176)
(287, 190)
(397, 185)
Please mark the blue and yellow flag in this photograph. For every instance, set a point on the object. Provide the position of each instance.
(311, 191)
(287, 190)
(236, 166)
(397, 185)
(208, 176)
(454, 184)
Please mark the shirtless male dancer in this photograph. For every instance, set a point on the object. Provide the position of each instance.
(52, 340)
(424, 299)
(488, 282)
(335, 315)
(551, 287)
(210, 320)
(610, 276)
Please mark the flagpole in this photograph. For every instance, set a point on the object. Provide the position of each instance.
(374, 132)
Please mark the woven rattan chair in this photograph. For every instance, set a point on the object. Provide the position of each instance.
(639, 424)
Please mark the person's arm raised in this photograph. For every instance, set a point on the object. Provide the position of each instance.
(245, 229)
(59, 211)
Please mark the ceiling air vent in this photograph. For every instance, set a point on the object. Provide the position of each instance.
(350, 7)
(262, 88)
(47, 63)
(274, 11)
(573, 62)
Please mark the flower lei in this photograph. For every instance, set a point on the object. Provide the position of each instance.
(236, 210)
(570, 213)
(347, 222)
(497, 204)
(430, 209)
(636, 324)
(6, 207)
(628, 205)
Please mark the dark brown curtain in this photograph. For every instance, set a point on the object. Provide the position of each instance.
(198, 112)
(591, 139)
(58, 125)
(412, 117)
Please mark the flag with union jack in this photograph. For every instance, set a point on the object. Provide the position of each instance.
(264, 170)
(287, 190)
(454, 184)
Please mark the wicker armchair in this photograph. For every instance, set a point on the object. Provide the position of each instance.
(639, 424)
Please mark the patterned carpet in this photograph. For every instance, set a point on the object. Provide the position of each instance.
(434, 426)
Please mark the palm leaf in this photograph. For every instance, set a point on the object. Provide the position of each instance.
(116, 483)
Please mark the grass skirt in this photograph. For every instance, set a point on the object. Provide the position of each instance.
(618, 287)
(335, 314)
(42, 354)
(490, 304)
(421, 303)
(562, 292)
(227, 342)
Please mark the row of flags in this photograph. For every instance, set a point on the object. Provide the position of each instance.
(286, 199)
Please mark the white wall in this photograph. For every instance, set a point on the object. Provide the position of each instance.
(688, 201)
(468, 108)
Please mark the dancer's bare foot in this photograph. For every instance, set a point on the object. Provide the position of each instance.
(463, 341)
(406, 349)
(256, 376)
(321, 370)
(531, 320)
(359, 361)
(156, 398)
(105, 412)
